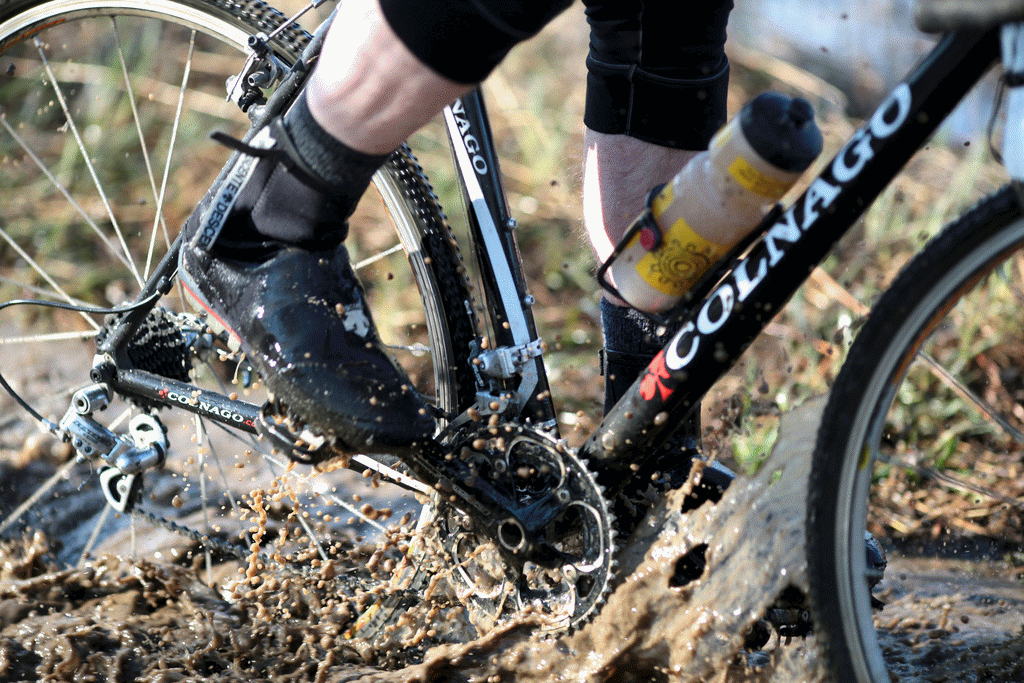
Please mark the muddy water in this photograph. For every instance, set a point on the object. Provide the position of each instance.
(124, 620)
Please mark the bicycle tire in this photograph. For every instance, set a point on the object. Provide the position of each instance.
(907, 451)
(78, 50)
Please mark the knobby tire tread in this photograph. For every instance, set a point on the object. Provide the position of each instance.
(254, 14)
(944, 254)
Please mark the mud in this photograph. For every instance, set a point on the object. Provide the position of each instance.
(118, 619)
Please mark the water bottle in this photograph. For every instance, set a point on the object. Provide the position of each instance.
(715, 201)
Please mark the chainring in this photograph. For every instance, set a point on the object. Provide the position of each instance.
(494, 587)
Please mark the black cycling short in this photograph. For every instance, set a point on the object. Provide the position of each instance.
(656, 71)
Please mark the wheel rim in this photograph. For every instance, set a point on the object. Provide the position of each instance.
(932, 434)
(208, 49)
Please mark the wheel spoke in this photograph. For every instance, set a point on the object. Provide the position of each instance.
(36, 496)
(965, 392)
(170, 154)
(948, 479)
(157, 194)
(88, 161)
(202, 447)
(60, 188)
(51, 337)
(370, 260)
(57, 289)
(44, 293)
(94, 536)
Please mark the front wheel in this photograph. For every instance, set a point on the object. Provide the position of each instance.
(922, 445)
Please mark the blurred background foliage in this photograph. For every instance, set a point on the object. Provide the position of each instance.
(842, 56)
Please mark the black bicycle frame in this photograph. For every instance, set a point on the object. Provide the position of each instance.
(504, 283)
(713, 333)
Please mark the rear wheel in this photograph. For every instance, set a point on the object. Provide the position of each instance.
(104, 153)
(922, 444)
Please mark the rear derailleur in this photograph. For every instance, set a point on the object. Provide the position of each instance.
(125, 457)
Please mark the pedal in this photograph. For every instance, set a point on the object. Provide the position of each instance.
(288, 435)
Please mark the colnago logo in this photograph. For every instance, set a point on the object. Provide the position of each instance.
(468, 139)
(847, 165)
(204, 406)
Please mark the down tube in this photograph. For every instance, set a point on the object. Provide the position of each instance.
(714, 333)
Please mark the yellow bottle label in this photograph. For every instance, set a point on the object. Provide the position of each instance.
(681, 260)
(755, 181)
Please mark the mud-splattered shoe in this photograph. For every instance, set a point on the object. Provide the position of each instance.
(299, 317)
(298, 311)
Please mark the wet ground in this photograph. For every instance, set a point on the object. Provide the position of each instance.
(120, 619)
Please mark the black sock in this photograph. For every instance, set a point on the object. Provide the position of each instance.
(631, 340)
(340, 166)
(287, 208)
(626, 330)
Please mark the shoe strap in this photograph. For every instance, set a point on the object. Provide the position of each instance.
(283, 151)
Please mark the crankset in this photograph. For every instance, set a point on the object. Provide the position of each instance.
(551, 549)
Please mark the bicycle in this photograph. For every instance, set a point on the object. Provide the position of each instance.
(497, 474)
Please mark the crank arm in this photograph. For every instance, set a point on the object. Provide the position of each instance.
(515, 528)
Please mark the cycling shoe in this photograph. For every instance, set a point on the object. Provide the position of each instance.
(297, 310)
(300, 318)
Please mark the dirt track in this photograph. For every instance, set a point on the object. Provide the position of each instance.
(119, 619)
(155, 620)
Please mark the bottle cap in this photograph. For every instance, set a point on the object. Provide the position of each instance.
(782, 130)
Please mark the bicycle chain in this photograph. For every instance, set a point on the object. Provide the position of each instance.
(232, 550)
(537, 454)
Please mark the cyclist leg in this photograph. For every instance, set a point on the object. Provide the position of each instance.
(264, 253)
(656, 94)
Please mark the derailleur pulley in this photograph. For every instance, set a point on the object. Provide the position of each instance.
(126, 457)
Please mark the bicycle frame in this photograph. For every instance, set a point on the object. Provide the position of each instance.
(714, 326)
(517, 348)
